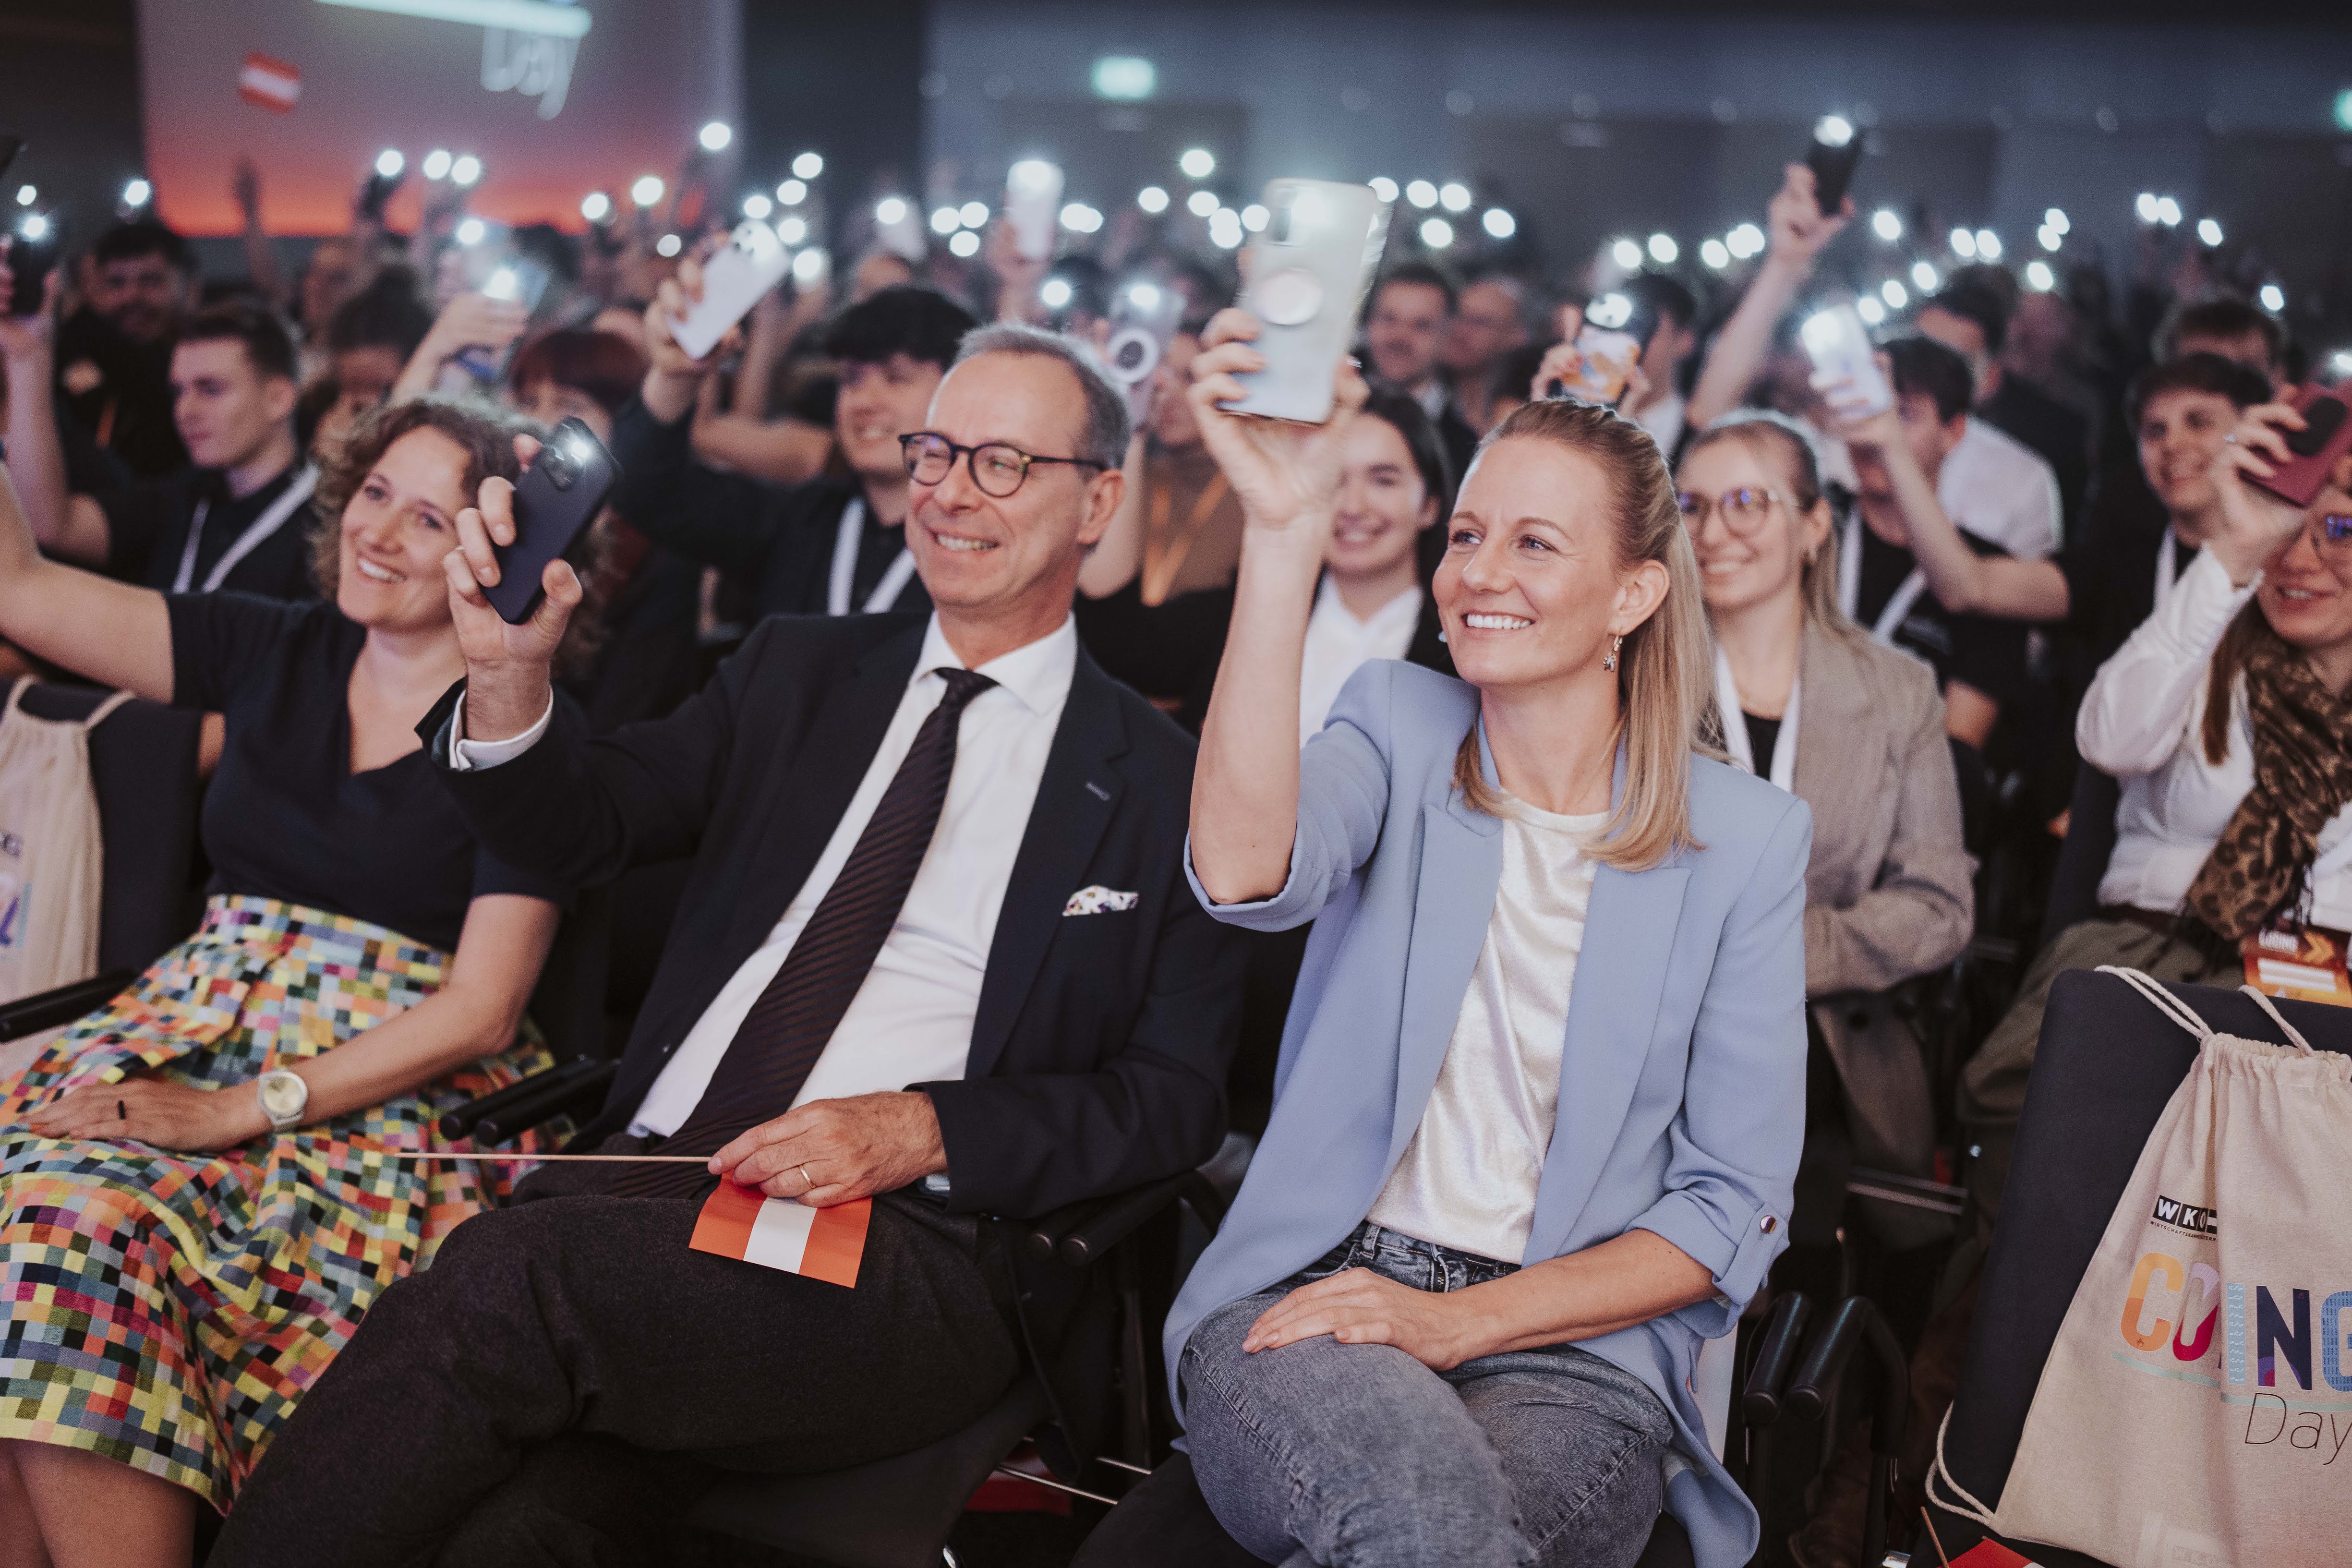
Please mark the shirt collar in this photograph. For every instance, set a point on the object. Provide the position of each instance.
(1038, 673)
(212, 488)
(1406, 604)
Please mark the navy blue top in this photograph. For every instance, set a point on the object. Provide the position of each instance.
(285, 817)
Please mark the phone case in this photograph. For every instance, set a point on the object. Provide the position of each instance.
(1607, 360)
(29, 261)
(2326, 437)
(1033, 206)
(1309, 270)
(554, 501)
(750, 264)
(1840, 346)
(1143, 317)
(1833, 166)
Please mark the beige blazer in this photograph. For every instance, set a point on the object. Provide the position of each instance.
(1889, 889)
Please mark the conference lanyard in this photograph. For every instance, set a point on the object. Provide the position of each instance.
(845, 566)
(267, 523)
(1898, 608)
(1734, 730)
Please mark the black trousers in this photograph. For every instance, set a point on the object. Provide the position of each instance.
(567, 1377)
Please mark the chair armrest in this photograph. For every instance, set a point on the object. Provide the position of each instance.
(1079, 1235)
(1856, 1324)
(1776, 1355)
(47, 1009)
(508, 1113)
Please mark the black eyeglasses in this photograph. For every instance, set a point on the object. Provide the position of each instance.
(997, 468)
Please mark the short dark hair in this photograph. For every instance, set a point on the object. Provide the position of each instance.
(1976, 303)
(135, 238)
(1427, 275)
(1400, 411)
(607, 366)
(267, 344)
(389, 313)
(2243, 384)
(904, 319)
(1924, 366)
(2223, 317)
(1667, 297)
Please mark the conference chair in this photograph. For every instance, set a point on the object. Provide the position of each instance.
(143, 770)
(2107, 1066)
(2082, 859)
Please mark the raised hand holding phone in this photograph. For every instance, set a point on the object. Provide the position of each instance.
(1286, 473)
(674, 377)
(508, 667)
(1795, 224)
(2256, 522)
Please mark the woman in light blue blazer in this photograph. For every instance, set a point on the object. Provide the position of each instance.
(1541, 1092)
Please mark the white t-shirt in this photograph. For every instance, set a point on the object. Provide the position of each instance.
(1468, 1178)
(1338, 645)
(1664, 420)
(1999, 488)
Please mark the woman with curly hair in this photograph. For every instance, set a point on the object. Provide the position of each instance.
(195, 1208)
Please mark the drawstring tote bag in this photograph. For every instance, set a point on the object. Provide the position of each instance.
(2197, 1404)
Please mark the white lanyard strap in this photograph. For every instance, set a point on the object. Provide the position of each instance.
(1891, 619)
(267, 523)
(845, 541)
(1735, 727)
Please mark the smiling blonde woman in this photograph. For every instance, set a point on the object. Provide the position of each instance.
(1540, 1095)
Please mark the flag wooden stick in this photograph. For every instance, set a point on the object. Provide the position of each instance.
(494, 1154)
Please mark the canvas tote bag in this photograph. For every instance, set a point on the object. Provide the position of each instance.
(51, 858)
(2196, 1405)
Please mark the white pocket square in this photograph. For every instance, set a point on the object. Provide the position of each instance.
(1097, 900)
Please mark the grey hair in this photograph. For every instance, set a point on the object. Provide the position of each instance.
(1109, 426)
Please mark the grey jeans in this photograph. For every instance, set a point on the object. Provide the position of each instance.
(1360, 1455)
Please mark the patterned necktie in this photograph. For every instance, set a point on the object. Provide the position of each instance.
(786, 1030)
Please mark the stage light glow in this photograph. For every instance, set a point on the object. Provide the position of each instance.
(1151, 199)
(1498, 222)
(715, 136)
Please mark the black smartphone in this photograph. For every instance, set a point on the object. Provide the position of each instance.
(32, 251)
(1835, 153)
(375, 193)
(554, 501)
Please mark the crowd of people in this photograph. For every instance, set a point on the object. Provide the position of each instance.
(1534, 823)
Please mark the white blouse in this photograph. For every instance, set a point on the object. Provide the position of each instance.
(1468, 1178)
(2143, 720)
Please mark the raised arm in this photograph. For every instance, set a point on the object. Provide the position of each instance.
(1962, 581)
(1117, 555)
(466, 322)
(111, 632)
(260, 255)
(62, 523)
(1798, 233)
(1245, 786)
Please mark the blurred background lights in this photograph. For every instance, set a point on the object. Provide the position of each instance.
(646, 190)
(973, 214)
(1226, 228)
(668, 244)
(1437, 233)
(945, 221)
(715, 135)
(792, 230)
(1127, 77)
(1421, 194)
(2209, 231)
(1253, 217)
(1663, 250)
(1964, 244)
(1198, 164)
(596, 206)
(1745, 241)
(1625, 253)
(1080, 218)
(1055, 293)
(1886, 225)
(1151, 199)
(1715, 254)
(466, 170)
(2038, 278)
(471, 231)
(136, 193)
(1870, 309)
(389, 162)
(1201, 204)
(810, 265)
(757, 206)
(1988, 245)
(1454, 196)
(807, 166)
(1894, 294)
(1924, 276)
(1498, 222)
(436, 163)
(2273, 297)
(1385, 187)
(965, 244)
(890, 210)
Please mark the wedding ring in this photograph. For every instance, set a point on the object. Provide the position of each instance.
(120, 1114)
(807, 1185)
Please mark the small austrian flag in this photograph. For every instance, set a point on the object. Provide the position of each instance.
(1991, 1554)
(268, 83)
(777, 1233)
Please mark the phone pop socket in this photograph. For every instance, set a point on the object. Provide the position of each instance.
(1289, 298)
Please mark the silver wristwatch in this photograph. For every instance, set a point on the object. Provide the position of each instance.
(284, 1097)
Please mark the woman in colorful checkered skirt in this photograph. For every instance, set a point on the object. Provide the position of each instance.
(196, 1206)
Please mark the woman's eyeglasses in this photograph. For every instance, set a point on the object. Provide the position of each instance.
(1743, 508)
(997, 468)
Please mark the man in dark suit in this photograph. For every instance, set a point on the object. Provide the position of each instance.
(937, 951)
(834, 545)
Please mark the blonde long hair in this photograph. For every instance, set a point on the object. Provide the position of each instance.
(1775, 437)
(1665, 672)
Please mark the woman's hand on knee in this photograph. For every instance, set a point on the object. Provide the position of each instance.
(151, 1111)
(1357, 1307)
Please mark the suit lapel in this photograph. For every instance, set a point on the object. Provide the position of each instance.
(1076, 798)
(1830, 778)
(826, 767)
(1613, 1011)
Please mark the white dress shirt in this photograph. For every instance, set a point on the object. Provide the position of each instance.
(1338, 645)
(2001, 489)
(2143, 720)
(911, 1021)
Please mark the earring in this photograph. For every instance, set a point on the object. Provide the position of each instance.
(1608, 659)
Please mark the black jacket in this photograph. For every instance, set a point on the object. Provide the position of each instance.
(1100, 1045)
(778, 538)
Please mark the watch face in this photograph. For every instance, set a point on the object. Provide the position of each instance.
(283, 1094)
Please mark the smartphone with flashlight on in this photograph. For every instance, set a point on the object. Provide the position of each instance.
(1840, 349)
(1617, 329)
(1835, 153)
(752, 262)
(1144, 312)
(554, 501)
(2326, 436)
(32, 244)
(520, 280)
(1033, 206)
(1309, 270)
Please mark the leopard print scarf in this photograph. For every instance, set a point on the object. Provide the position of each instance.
(2302, 776)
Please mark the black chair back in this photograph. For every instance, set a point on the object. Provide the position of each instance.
(2082, 859)
(2107, 1066)
(143, 768)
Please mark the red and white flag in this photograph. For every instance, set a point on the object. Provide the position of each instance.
(268, 83)
(777, 1233)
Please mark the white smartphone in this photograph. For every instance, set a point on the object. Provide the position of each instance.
(1309, 269)
(1033, 206)
(1840, 347)
(1143, 316)
(752, 262)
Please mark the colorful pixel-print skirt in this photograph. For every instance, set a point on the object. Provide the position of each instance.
(166, 1309)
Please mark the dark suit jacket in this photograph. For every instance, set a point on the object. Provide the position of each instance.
(778, 538)
(1100, 1045)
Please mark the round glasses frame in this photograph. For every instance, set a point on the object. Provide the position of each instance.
(997, 467)
(1743, 508)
